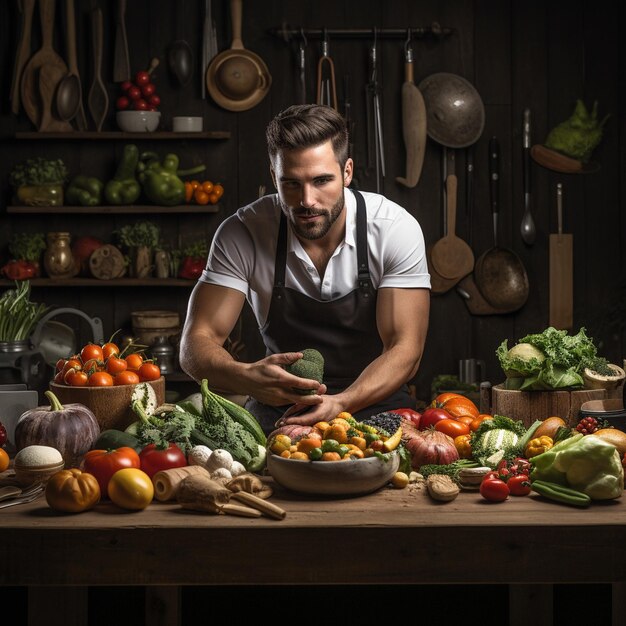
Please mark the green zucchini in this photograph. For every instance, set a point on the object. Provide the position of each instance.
(111, 439)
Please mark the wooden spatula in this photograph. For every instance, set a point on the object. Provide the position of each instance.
(561, 272)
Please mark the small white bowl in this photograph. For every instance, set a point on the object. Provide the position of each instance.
(181, 124)
(138, 121)
(334, 478)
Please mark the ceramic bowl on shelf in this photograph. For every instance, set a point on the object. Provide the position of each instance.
(138, 121)
(333, 478)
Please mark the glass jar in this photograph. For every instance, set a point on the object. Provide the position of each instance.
(49, 194)
(58, 260)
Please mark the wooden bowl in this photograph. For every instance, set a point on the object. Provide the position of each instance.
(333, 478)
(110, 405)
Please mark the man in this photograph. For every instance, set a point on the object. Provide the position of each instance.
(339, 271)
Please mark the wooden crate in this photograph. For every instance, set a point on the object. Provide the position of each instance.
(529, 406)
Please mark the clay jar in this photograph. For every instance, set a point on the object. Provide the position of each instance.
(58, 260)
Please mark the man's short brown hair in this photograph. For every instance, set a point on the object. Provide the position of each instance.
(307, 125)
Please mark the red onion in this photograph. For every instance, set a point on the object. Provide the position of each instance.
(428, 447)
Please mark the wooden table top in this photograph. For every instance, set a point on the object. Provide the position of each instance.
(391, 536)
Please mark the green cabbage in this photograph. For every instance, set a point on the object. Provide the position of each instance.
(548, 360)
(583, 462)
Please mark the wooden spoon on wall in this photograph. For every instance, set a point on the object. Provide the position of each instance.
(452, 257)
(98, 99)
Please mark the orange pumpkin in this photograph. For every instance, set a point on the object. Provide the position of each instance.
(457, 405)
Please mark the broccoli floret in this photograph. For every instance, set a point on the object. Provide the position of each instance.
(311, 365)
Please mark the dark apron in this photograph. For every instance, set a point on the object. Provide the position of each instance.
(343, 330)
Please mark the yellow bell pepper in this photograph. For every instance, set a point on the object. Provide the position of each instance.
(463, 446)
(539, 445)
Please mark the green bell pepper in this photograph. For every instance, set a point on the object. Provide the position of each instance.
(160, 179)
(84, 191)
(124, 188)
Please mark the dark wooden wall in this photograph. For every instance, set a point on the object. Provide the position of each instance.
(535, 54)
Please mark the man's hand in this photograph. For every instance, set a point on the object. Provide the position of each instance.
(271, 384)
(306, 415)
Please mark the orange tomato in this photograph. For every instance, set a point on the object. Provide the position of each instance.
(207, 186)
(218, 189)
(336, 432)
(101, 379)
(110, 349)
(456, 404)
(195, 184)
(4, 460)
(149, 371)
(213, 198)
(134, 361)
(76, 378)
(75, 364)
(127, 377)
(331, 456)
(200, 196)
(478, 421)
(91, 351)
(453, 428)
(466, 419)
(115, 365)
(188, 192)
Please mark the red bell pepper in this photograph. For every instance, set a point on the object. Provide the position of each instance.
(192, 268)
(20, 269)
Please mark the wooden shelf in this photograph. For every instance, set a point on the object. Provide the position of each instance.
(210, 134)
(114, 282)
(133, 208)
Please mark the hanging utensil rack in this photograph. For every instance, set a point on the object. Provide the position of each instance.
(435, 30)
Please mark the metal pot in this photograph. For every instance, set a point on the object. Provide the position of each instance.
(237, 79)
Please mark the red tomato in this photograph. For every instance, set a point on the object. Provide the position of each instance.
(122, 103)
(519, 485)
(149, 371)
(431, 416)
(101, 379)
(140, 105)
(71, 364)
(115, 365)
(134, 361)
(148, 89)
(128, 377)
(154, 460)
(126, 85)
(451, 427)
(134, 92)
(91, 351)
(110, 349)
(154, 100)
(104, 463)
(142, 78)
(494, 489)
(59, 365)
(75, 378)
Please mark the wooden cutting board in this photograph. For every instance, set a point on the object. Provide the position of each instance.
(561, 272)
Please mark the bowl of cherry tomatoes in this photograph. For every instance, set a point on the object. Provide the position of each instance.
(104, 378)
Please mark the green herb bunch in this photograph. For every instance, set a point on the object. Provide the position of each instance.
(38, 171)
(196, 250)
(18, 315)
(27, 246)
(140, 234)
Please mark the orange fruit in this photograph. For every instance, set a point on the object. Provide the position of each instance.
(331, 456)
(336, 432)
(4, 460)
(299, 456)
(307, 444)
(340, 421)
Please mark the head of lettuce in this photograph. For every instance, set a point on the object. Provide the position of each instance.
(546, 361)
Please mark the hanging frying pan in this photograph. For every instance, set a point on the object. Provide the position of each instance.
(237, 79)
(455, 114)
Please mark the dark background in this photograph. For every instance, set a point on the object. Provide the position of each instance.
(533, 54)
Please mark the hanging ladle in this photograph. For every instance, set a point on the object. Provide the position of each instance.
(69, 91)
(180, 54)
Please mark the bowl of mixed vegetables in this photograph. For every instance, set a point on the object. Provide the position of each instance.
(340, 457)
